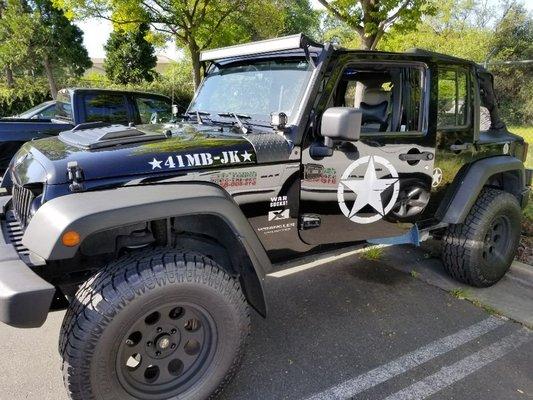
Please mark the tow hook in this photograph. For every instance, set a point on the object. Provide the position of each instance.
(75, 176)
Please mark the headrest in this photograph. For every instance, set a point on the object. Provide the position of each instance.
(374, 112)
(375, 96)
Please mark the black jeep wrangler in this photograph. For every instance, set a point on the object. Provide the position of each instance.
(158, 238)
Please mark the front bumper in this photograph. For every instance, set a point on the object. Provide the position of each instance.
(25, 297)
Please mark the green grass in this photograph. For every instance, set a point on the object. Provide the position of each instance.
(527, 133)
(372, 253)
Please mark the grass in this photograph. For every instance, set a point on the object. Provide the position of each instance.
(372, 253)
(527, 133)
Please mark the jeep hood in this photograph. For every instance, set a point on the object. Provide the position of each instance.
(189, 147)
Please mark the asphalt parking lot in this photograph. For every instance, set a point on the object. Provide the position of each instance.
(351, 328)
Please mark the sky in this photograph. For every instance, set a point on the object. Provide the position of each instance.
(97, 31)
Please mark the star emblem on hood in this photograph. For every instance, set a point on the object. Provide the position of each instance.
(155, 163)
(368, 190)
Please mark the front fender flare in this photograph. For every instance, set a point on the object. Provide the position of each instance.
(91, 212)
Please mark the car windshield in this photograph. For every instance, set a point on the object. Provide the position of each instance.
(255, 90)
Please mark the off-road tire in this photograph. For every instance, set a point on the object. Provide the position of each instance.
(466, 246)
(107, 305)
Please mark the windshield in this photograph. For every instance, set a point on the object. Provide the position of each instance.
(255, 90)
(29, 113)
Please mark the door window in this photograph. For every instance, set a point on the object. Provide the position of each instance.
(106, 107)
(390, 98)
(453, 102)
(153, 110)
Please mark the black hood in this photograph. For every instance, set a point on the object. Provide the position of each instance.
(189, 147)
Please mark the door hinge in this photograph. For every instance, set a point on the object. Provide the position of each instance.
(310, 221)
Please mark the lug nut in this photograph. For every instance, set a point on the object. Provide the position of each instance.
(149, 344)
(173, 331)
(157, 353)
(159, 330)
(129, 342)
(172, 346)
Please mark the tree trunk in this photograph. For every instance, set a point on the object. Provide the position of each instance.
(196, 66)
(50, 77)
(9, 77)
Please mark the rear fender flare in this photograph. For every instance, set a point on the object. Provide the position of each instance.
(469, 182)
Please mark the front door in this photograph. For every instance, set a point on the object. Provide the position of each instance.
(378, 186)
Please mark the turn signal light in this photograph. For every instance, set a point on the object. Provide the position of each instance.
(71, 238)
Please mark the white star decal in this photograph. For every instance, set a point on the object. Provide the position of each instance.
(368, 190)
(246, 156)
(155, 163)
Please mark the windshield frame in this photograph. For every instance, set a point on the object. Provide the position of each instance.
(300, 99)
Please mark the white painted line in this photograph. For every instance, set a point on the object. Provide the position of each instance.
(313, 264)
(408, 361)
(461, 369)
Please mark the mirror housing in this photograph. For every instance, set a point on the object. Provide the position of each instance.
(341, 123)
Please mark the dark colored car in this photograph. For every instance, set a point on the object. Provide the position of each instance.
(77, 106)
(158, 238)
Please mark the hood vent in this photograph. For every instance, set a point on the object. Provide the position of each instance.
(112, 135)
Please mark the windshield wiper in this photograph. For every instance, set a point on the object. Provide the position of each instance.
(198, 115)
(238, 118)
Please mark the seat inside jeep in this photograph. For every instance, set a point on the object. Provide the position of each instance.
(389, 97)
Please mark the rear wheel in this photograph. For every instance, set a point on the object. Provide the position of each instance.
(160, 325)
(480, 251)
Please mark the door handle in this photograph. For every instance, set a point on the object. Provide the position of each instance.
(460, 146)
(425, 155)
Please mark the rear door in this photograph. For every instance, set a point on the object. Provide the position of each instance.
(378, 186)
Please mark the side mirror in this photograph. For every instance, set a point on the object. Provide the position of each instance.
(341, 123)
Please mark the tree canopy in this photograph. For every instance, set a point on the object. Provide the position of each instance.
(130, 58)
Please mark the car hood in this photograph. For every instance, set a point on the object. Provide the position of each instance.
(190, 147)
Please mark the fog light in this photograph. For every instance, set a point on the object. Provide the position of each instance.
(70, 238)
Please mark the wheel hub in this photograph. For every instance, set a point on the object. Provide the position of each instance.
(166, 350)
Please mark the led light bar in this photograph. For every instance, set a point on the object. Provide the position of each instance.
(264, 46)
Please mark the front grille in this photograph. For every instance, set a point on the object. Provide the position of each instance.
(22, 199)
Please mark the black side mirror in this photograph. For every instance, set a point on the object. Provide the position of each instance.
(341, 123)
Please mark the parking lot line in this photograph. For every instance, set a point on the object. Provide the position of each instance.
(325, 260)
(408, 361)
(461, 369)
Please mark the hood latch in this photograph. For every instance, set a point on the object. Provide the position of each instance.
(75, 176)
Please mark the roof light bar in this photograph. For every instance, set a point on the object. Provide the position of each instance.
(264, 46)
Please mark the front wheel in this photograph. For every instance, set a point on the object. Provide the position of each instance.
(480, 251)
(159, 325)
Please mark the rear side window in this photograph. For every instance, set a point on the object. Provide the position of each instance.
(453, 101)
(63, 107)
(154, 110)
(106, 107)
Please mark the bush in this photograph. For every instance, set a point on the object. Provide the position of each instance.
(27, 94)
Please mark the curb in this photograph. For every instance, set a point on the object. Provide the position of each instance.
(521, 273)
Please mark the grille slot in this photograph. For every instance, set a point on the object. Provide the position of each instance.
(22, 199)
(15, 232)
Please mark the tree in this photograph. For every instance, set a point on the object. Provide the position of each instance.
(512, 43)
(130, 58)
(58, 43)
(300, 17)
(370, 19)
(194, 25)
(34, 33)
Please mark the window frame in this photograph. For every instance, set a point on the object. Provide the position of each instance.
(466, 70)
(423, 118)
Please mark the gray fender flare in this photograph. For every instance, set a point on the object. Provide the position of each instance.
(91, 212)
(469, 182)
